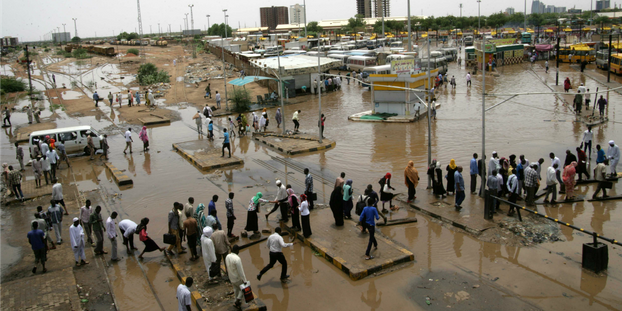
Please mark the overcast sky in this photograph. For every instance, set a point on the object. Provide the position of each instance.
(31, 19)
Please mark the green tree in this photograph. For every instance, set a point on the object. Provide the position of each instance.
(356, 23)
(241, 100)
(496, 20)
(11, 84)
(314, 27)
(75, 39)
(127, 36)
(148, 74)
(516, 19)
(536, 21)
(219, 30)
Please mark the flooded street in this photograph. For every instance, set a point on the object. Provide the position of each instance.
(546, 276)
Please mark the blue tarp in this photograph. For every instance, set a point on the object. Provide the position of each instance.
(249, 79)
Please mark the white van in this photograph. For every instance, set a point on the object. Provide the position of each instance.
(73, 137)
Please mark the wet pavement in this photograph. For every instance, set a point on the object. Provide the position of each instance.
(548, 275)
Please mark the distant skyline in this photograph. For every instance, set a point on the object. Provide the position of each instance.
(30, 20)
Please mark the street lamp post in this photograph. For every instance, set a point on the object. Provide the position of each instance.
(304, 5)
(186, 24)
(409, 33)
(75, 26)
(159, 30)
(64, 30)
(479, 26)
(319, 93)
(224, 67)
(191, 16)
(207, 21)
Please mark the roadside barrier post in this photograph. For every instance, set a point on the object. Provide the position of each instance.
(595, 255)
(488, 205)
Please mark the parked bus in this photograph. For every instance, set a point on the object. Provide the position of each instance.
(451, 54)
(468, 41)
(343, 58)
(525, 37)
(360, 62)
(601, 59)
(435, 63)
(579, 52)
(616, 63)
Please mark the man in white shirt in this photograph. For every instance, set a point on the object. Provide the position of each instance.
(295, 119)
(85, 215)
(111, 229)
(280, 199)
(558, 172)
(76, 235)
(128, 140)
(236, 274)
(46, 168)
(551, 184)
(53, 158)
(217, 99)
(275, 244)
(57, 194)
(184, 298)
(128, 228)
(512, 187)
(588, 135)
(581, 89)
(468, 78)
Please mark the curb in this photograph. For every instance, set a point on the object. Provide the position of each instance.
(119, 177)
(444, 219)
(297, 151)
(285, 136)
(201, 303)
(341, 263)
(197, 299)
(202, 167)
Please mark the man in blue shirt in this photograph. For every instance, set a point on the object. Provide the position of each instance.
(212, 207)
(96, 98)
(474, 170)
(459, 187)
(368, 220)
(210, 130)
(36, 238)
(226, 143)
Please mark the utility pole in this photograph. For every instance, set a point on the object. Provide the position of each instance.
(430, 94)
(28, 69)
(207, 21)
(64, 31)
(140, 32)
(159, 31)
(461, 10)
(278, 57)
(482, 187)
(150, 30)
(410, 45)
(319, 93)
(224, 65)
(525, 16)
(608, 61)
(186, 23)
(191, 16)
(557, 56)
(479, 26)
(304, 5)
(75, 26)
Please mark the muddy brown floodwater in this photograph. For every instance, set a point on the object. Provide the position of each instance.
(547, 276)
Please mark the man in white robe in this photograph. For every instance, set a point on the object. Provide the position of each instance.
(209, 253)
(236, 274)
(76, 235)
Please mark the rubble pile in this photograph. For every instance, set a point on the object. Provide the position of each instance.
(533, 232)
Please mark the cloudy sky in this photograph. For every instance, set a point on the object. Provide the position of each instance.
(33, 19)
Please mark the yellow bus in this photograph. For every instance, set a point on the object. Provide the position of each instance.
(616, 63)
(579, 53)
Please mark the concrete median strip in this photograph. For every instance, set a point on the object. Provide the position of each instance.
(293, 144)
(203, 157)
(119, 177)
(350, 259)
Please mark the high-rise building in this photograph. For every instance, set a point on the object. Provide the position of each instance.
(273, 16)
(297, 14)
(509, 11)
(560, 9)
(537, 7)
(363, 7)
(382, 8)
(549, 9)
(602, 4)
